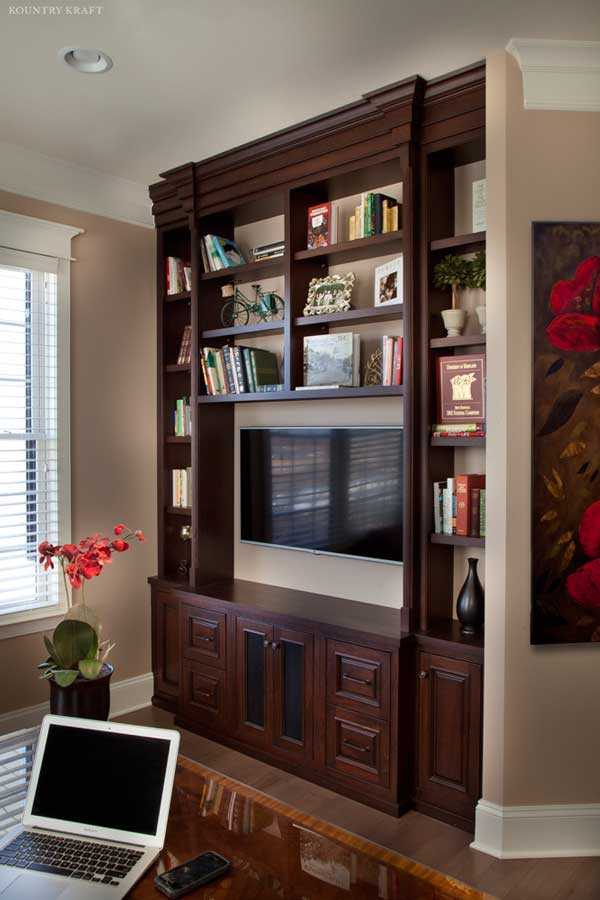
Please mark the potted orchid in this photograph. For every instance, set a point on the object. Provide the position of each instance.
(76, 666)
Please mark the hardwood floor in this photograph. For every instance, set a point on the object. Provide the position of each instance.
(432, 843)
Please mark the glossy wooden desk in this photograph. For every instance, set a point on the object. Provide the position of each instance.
(278, 852)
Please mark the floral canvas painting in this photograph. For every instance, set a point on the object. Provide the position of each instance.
(566, 434)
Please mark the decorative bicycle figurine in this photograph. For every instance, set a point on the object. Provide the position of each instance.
(268, 306)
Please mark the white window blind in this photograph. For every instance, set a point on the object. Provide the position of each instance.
(30, 470)
(17, 751)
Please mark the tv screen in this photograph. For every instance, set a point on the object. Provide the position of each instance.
(326, 490)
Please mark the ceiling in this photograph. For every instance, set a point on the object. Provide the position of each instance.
(194, 77)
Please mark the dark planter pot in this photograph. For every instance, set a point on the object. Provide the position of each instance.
(470, 603)
(83, 699)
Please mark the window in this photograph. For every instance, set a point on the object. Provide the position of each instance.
(34, 430)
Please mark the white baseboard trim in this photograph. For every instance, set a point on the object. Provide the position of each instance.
(125, 697)
(523, 832)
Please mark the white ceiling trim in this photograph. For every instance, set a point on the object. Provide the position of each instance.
(29, 235)
(31, 174)
(561, 75)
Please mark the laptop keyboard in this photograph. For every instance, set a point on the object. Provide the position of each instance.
(65, 856)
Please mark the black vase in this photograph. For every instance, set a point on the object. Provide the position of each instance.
(470, 603)
(85, 699)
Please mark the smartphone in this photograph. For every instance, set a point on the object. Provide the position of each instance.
(193, 874)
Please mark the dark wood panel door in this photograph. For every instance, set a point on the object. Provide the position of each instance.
(358, 747)
(165, 648)
(358, 678)
(204, 635)
(449, 734)
(205, 694)
(254, 676)
(293, 710)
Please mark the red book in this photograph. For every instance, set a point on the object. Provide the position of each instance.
(398, 374)
(464, 486)
(475, 512)
(321, 230)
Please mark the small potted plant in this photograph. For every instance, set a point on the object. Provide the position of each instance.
(452, 272)
(76, 666)
(477, 280)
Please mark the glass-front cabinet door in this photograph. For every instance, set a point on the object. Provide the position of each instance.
(254, 677)
(293, 662)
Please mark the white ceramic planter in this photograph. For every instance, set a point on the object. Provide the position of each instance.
(480, 310)
(454, 321)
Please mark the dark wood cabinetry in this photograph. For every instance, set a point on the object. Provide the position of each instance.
(321, 685)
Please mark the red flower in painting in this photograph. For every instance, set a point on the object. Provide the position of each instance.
(577, 305)
(584, 585)
(589, 531)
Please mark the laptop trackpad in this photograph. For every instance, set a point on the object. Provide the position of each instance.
(22, 886)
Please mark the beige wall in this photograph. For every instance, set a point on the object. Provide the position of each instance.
(113, 438)
(542, 726)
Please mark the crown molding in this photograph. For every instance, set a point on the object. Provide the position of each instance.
(31, 174)
(31, 235)
(559, 75)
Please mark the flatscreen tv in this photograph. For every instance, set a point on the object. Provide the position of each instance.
(323, 490)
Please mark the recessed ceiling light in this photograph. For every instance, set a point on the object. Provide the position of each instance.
(93, 62)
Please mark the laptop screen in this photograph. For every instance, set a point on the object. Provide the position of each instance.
(102, 778)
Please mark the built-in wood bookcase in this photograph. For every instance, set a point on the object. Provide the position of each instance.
(407, 139)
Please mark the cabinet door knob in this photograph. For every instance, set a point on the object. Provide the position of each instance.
(267, 644)
(275, 645)
(423, 674)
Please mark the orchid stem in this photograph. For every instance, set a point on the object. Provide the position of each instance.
(62, 566)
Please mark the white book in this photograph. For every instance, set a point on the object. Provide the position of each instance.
(184, 487)
(446, 511)
(479, 205)
(356, 360)
(189, 486)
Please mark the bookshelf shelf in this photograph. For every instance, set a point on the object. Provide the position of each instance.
(175, 367)
(179, 510)
(376, 390)
(463, 340)
(466, 242)
(458, 442)
(370, 314)
(174, 439)
(248, 271)
(247, 330)
(173, 298)
(376, 245)
(457, 540)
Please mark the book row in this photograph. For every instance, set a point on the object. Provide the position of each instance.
(182, 417)
(185, 348)
(391, 360)
(239, 370)
(375, 214)
(182, 487)
(459, 506)
(178, 275)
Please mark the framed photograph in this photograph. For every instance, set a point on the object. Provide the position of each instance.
(565, 487)
(330, 294)
(388, 283)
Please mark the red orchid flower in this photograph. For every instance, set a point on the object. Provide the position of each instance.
(69, 551)
(120, 546)
(140, 536)
(584, 585)
(577, 305)
(47, 551)
(119, 529)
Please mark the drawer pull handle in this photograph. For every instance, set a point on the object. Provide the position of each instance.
(355, 746)
(356, 680)
(202, 638)
(207, 693)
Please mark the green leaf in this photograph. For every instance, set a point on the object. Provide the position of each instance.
(49, 647)
(90, 668)
(65, 677)
(73, 640)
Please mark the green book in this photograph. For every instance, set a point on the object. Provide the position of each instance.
(179, 421)
(248, 366)
(264, 367)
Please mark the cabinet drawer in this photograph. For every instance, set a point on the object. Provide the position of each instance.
(358, 747)
(204, 637)
(204, 693)
(358, 678)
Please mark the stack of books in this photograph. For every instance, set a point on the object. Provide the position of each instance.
(182, 487)
(220, 253)
(239, 370)
(391, 364)
(179, 275)
(376, 214)
(456, 430)
(459, 506)
(182, 417)
(185, 348)
(268, 251)
(332, 360)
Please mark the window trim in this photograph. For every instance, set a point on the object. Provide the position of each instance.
(53, 240)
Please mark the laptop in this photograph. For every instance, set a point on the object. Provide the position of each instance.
(96, 811)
